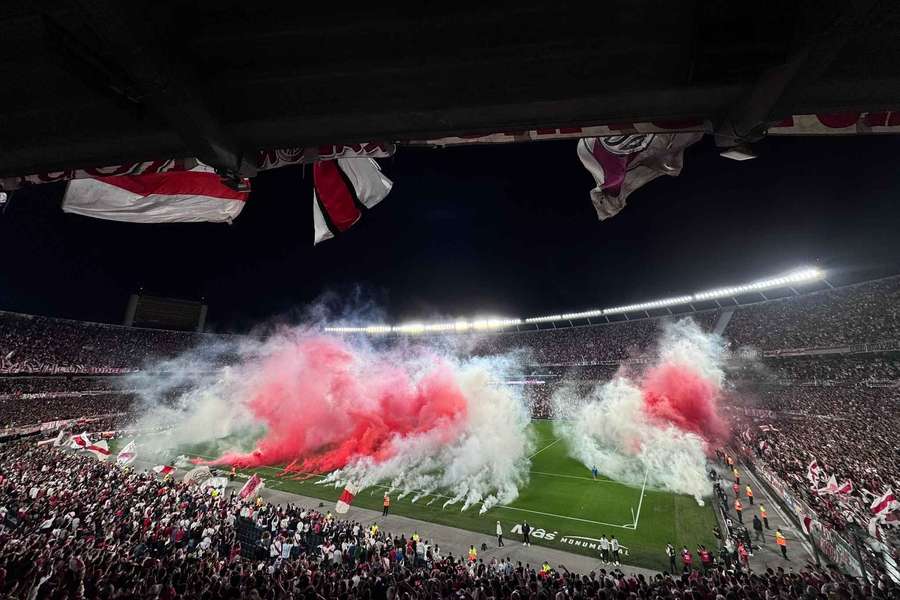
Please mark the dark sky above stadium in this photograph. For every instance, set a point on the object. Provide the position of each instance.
(474, 231)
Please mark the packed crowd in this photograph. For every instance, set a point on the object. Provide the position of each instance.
(859, 314)
(34, 400)
(71, 527)
(30, 344)
(870, 369)
(586, 345)
(851, 432)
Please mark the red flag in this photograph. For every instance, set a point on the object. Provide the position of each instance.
(885, 504)
(845, 488)
(253, 486)
(806, 522)
(343, 188)
(99, 449)
(346, 499)
(163, 470)
(173, 197)
(621, 164)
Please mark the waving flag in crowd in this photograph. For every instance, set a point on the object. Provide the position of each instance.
(343, 189)
(163, 470)
(885, 504)
(192, 196)
(80, 442)
(621, 164)
(812, 471)
(253, 486)
(845, 488)
(127, 454)
(99, 449)
(346, 499)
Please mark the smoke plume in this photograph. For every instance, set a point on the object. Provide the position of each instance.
(417, 421)
(657, 425)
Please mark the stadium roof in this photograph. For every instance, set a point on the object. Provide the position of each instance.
(798, 276)
(101, 82)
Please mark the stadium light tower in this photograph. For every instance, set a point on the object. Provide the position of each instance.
(803, 275)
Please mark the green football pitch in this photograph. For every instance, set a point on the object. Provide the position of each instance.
(566, 508)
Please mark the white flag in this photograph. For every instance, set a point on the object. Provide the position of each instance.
(127, 454)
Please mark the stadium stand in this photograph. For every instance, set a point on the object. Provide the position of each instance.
(857, 314)
(76, 528)
(30, 344)
(31, 400)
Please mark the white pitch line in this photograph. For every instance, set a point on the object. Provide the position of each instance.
(641, 501)
(545, 447)
(536, 512)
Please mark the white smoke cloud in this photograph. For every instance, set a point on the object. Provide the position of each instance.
(610, 429)
(201, 402)
(486, 463)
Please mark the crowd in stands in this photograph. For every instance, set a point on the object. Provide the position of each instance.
(870, 369)
(33, 400)
(30, 344)
(610, 342)
(859, 314)
(72, 527)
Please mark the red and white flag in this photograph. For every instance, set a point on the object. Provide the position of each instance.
(346, 499)
(831, 487)
(620, 164)
(163, 470)
(192, 196)
(343, 188)
(812, 471)
(127, 454)
(253, 486)
(885, 504)
(806, 524)
(80, 441)
(99, 449)
(845, 488)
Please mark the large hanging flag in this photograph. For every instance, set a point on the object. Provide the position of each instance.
(620, 164)
(192, 196)
(346, 499)
(127, 454)
(253, 486)
(99, 449)
(343, 189)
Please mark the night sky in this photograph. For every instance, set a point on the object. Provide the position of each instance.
(473, 231)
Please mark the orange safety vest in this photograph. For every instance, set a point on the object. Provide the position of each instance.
(779, 539)
(387, 500)
(738, 505)
(749, 492)
(762, 512)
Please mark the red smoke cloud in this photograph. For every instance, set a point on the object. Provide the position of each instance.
(679, 395)
(325, 404)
